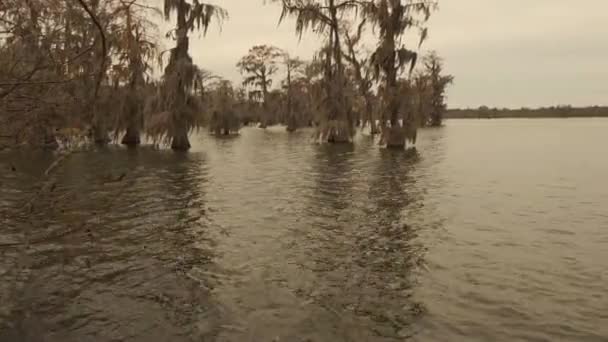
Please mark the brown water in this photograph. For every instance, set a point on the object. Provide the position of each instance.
(496, 231)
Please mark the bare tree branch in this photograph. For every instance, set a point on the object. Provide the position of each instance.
(104, 47)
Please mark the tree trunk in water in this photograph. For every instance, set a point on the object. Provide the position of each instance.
(395, 137)
(338, 137)
(100, 136)
(435, 118)
(131, 137)
(338, 132)
(373, 127)
(340, 119)
(395, 134)
(370, 116)
(291, 122)
(100, 132)
(46, 138)
(180, 140)
(264, 119)
(179, 58)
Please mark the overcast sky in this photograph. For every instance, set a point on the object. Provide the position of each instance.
(503, 53)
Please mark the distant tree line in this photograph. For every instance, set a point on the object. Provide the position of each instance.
(81, 70)
(566, 111)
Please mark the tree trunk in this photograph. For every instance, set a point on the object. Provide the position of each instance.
(395, 134)
(291, 124)
(180, 140)
(370, 115)
(340, 123)
(395, 137)
(373, 127)
(338, 137)
(131, 137)
(50, 142)
(264, 118)
(100, 136)
(100, 130)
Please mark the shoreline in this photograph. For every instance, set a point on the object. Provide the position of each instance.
(523, 117)
(560, 112)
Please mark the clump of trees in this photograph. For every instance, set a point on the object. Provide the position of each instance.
(432, 84)
(50, 56)
(81, 70)
(373, 88)
(258, 67)
(140, 49)
(226, 107)
(176, 99)
(393, 19)
(84, 67)
(336, 122)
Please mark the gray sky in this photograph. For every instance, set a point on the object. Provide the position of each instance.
(502, 53)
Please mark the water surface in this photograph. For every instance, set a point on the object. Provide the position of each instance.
(494, 231)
